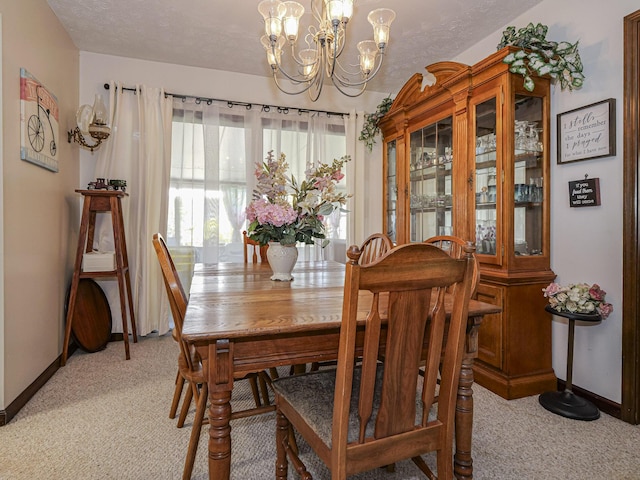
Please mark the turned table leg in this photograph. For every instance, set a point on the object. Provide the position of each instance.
(218, 364)
(462, 462)
(219, 435)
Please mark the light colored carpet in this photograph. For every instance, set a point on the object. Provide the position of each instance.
(102, 417)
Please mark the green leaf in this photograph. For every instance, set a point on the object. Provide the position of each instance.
(520, 54)
(537, 66)
(509, 58)
(541, 30)
(528, 83)
(544, 70)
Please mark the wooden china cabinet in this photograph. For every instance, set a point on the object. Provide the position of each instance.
(469, 156)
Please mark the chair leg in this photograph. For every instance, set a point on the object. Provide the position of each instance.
(286, 451)
(254, 389)
(282, 436)
(420, 463)
(186, 404)
(262, 381)
(201, 408)
(176, 395)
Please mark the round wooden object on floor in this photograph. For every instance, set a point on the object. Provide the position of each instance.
(91, 323)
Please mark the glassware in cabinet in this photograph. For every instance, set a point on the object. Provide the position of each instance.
(392, 190)
(486, 177)
(430, 181)
(528, 176)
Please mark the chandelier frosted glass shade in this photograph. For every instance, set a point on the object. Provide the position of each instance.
(322, 45)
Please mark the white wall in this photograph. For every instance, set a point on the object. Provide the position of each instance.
(586, 243)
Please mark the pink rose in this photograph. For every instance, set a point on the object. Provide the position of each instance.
(605, 310)
(597, 293)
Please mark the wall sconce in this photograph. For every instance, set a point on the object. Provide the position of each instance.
(91, 120)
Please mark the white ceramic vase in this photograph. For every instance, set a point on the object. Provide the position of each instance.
(282, 259)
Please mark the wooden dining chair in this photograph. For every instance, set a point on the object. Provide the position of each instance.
(454, 246)
(371, 249)
(374, 247)
(357, 418)
(189, 365)
(175, 333)
(258, 252)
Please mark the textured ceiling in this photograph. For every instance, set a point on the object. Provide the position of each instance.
(225, 34)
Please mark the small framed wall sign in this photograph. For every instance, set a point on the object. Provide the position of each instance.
(584, 193)
(587, 132)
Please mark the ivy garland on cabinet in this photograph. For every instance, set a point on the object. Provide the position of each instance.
(371, 123)
(539, 56)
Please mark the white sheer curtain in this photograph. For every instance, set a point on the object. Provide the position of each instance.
(214, 152)
(138, 151)
(357, 230)
(211, 151)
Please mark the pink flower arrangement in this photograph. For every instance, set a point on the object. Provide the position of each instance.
(282, 210)
(578, 298)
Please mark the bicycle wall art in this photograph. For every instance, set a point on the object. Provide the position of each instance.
(39, 116)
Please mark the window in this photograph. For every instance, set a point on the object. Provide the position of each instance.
(214, 151)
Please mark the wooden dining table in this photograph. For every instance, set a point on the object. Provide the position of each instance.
(240, 322)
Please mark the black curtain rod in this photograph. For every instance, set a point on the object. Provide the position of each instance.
(231, 104)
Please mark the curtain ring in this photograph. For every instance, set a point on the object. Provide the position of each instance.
(209, 101)
(266, 108)
(198, 100)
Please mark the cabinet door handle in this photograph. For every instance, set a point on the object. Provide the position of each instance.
(470, 180)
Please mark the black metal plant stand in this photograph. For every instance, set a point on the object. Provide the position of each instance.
(567, 403)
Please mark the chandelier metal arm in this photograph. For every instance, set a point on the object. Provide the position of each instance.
(278, 67)
(275, 78)
(346, 83)
(339, 86)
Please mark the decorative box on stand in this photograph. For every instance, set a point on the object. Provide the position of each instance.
(99, 262)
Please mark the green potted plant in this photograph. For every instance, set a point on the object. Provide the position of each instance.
(539, 56)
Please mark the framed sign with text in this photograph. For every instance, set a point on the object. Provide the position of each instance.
(587, 132)
(584, 193)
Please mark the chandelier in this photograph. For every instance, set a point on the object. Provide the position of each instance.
(323, 45)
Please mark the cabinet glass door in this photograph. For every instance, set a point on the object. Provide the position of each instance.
(392, 191)
(528, 176)
(486, 177)
(430, 181)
